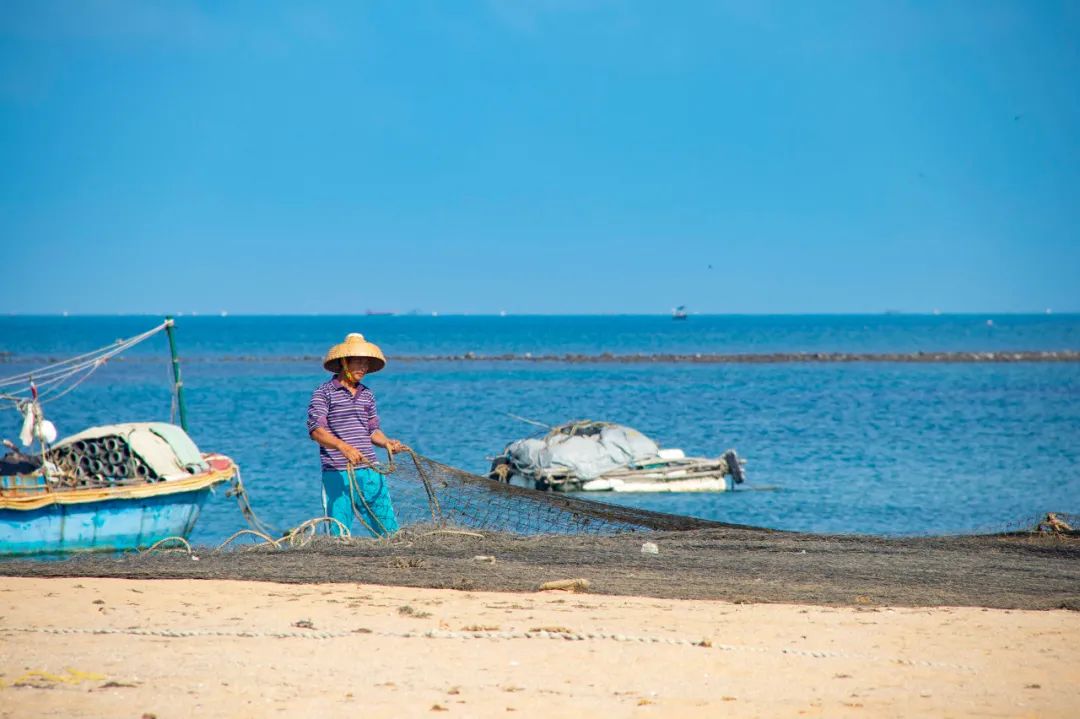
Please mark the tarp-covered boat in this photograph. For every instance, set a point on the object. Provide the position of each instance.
(600, 456)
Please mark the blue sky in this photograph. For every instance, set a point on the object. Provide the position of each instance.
(546, 157)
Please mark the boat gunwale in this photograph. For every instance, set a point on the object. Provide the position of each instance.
(142, 490)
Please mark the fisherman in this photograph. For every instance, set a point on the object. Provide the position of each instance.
(343, 420)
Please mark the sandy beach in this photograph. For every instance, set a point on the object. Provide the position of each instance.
(177, 648)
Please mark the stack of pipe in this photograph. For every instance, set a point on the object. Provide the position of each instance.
(103, 460)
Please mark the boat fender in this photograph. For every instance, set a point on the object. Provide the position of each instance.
(35, 426)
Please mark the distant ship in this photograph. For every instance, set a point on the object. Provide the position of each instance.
(380, 313)
(679, 313)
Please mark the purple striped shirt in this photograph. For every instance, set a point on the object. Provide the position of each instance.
(351, 418)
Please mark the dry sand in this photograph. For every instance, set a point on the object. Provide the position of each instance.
(756, 659)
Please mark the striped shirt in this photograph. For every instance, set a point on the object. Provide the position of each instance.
(351, 418)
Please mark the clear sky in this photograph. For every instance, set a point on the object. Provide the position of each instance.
(561, 156)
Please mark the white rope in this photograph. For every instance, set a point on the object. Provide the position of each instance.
(537, 634)
(83, 360)
(49, 369)
(70, 387)
(51, 377)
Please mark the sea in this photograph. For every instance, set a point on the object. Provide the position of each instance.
(869, 448)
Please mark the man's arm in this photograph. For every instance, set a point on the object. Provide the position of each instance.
(319, 430)
(378, 438)
(327, 439)
(381, 440)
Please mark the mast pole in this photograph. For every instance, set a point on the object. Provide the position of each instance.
(177, 382)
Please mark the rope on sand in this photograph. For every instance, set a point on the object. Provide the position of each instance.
(265, 537)
(454, 531)
(490, 635)
(298, 536)
(304, 532)
(162, 542)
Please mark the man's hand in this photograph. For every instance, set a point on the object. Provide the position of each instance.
(327, 439)
(381, 440)
(352, 454)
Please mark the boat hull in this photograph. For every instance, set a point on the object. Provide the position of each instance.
(697, 484)
(718, 483)
(107, 525)
(37, 520)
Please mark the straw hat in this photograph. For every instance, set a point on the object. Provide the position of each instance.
(354, 346)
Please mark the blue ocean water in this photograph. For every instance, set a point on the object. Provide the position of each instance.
(291, 336)
(879, 448)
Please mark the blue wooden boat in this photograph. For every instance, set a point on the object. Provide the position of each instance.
(110, 488)
(38, 519)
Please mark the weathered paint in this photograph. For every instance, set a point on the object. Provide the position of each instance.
(108, 525)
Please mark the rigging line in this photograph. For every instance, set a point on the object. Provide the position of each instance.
(60, 375)
(54, 383)
(12, 397)
(75, 384)
(51, 369)
(57, 367)
(41, 384)
(41, 378)
(529, 421)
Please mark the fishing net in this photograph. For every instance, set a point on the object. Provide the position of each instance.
(467, 532)
(427, 492)
(1029, 571)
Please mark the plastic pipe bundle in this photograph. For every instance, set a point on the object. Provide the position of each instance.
(104, 460)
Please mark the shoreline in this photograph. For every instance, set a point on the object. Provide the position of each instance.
(117, 647)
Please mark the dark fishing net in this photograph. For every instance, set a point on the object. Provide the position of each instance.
(431, 493)
(467, 532)
(1033, 571)
(427, 492)
(1059, 523)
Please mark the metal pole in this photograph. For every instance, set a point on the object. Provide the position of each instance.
(179, 383)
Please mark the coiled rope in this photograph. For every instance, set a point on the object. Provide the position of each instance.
(298, 536)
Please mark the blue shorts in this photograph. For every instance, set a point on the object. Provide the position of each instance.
(369, 501)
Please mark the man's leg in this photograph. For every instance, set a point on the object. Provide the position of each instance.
(336, 501)
(376, 508)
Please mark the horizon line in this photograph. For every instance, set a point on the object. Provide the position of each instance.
(503, 315)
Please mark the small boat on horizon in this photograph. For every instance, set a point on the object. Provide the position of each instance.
(679, 313)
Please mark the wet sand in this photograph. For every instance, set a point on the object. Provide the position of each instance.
(177, 648)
